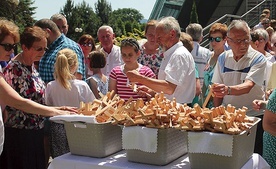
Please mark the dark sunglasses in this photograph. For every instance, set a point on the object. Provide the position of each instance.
(39, 49)
(217, 39)
(8, 47)
(86, 44)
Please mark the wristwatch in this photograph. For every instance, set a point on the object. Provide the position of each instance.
(228, 90)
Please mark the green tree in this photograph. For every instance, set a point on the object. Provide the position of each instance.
(127, 14)
(103, 10)
(119, 29)
(128, 26)
(194, 16)
(21, 14)
(67, 11)
(80, 16)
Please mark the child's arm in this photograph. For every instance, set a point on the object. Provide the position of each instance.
(112, 85)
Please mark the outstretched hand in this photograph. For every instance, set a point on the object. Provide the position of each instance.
(66, 110)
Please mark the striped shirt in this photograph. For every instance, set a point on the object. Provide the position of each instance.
(123, 89)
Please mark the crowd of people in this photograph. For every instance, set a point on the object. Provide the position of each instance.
(53, 74)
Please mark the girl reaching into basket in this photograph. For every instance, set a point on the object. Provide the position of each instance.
(118, 80)
(65, 90)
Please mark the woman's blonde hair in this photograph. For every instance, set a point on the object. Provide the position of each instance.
(65, 66)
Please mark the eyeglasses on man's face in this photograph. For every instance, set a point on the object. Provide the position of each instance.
(246, 41)
(217, 39)
(8, 47)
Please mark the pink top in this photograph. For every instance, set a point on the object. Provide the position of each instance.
(123, 90)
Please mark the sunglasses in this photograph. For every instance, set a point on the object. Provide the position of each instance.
(217, 39)
(8, 47)
(86, 44)
(39, 49)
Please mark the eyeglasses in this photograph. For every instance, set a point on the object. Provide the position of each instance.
(86, 44)
(217, 39)
(246, 41)
(8, 47)
(39, 49)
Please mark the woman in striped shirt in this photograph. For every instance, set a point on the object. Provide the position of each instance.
(118, 80)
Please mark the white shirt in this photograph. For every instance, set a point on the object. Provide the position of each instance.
(113, 59)
(250, 67)
(178, 67)
(201, 56)
(57, 95)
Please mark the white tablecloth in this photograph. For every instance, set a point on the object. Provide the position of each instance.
(119, 161)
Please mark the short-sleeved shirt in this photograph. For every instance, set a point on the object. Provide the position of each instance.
(113, 59)
(46, 64)
(26, 81)
(123, 89)
(178, 67)
(101, 86)
(250, 67)
(57, 95)
(201, 56)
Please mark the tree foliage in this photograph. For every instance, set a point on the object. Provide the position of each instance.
(80, 16)
(103, 9)
(127, 14)
(194, 16)
(21, 14)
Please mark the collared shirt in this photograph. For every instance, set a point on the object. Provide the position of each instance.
(201, 56)
(250, 67)
(46, 64)
(113, 59)
(178, 68)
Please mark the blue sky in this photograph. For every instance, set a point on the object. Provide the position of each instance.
(45, 9)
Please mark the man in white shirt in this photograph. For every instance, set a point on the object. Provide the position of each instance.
(112, 52)
(239, 75)
(201, 54)
(176, 77)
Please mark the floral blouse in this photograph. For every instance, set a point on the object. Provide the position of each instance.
(28, 84)
(151, 61)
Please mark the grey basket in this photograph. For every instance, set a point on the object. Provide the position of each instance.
(171, 144)
(94, 140)
(243, 147)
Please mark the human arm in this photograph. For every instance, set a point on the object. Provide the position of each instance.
(220, 90)
(94, 87)
(11, 98)
(155, 84)
(269, 119)
(112, 85)
(269, 122)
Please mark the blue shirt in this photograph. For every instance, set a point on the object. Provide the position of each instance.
(46, 64)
